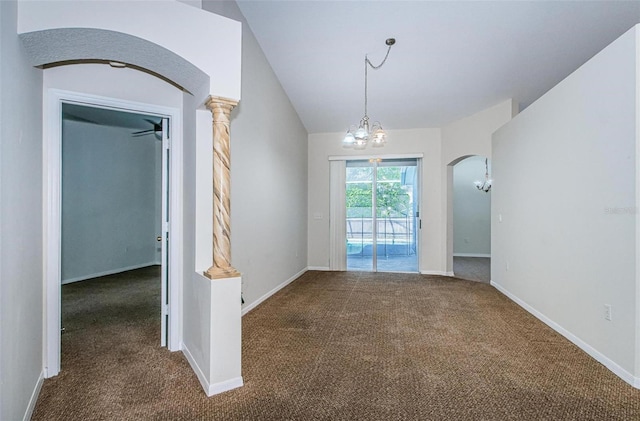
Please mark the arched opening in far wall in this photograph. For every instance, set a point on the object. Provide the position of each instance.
(469, 218)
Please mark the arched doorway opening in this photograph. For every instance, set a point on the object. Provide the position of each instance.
(469, 219)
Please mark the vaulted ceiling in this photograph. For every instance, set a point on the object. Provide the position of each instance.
(452, 58)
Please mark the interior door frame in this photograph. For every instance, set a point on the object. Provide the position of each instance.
(52, 173)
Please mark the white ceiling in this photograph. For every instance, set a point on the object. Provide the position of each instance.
(451, 59)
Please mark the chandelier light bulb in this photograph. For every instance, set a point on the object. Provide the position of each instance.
(349, 139)
(361, 134)
(379, 137)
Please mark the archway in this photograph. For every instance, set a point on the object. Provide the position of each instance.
(468, 237)
(171, 41)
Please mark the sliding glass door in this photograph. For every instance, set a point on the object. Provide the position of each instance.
(382, 215)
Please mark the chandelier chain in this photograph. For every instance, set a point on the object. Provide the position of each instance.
(359, 136)
(368, 63)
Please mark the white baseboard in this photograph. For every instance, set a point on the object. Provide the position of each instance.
(471, 255)
(247, 308)
(598, 356)
(322, 268)
(196, 369)
(34, 398)
(436, 272)
(220, 387)
(107, 272)
(210, 389)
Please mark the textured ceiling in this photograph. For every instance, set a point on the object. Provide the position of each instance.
(451, 59)
(78, 44)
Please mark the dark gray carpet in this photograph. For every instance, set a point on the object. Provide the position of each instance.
(337, 346)
(472, 268)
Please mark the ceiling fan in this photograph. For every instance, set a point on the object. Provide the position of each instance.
(156, 130)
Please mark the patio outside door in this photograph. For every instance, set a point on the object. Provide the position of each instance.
(382, 215)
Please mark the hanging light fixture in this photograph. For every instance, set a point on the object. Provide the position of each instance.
(485, 185)
(359, 137)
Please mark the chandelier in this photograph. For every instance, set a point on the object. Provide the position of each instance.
(485, 185)
(360, 136)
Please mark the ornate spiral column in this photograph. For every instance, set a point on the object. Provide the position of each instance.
(221, 110)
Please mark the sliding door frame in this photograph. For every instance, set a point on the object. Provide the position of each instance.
(337, 220)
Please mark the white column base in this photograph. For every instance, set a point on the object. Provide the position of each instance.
(216, 355)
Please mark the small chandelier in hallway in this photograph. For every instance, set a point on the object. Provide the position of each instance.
(359, 137)
(485, 185)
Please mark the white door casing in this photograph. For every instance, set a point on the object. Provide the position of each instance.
(164, 236)
(52, 116)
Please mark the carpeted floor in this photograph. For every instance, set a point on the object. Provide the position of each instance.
(336, 346)
(472, 268)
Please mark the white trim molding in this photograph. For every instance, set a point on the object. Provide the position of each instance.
(598, 356)
(209, 388)
(320, 268)
(34, 397)
(419, 155)
(52, 174)
(220, 387)
(196, 368)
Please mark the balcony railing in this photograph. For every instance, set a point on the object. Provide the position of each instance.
(395, 236)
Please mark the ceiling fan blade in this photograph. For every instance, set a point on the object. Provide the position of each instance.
(73, 117)
(142, 132)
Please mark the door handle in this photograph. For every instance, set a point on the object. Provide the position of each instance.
(159, 238)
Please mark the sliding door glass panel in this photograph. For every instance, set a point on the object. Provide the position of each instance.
(385, 240)
(359, 200)
(396, 216)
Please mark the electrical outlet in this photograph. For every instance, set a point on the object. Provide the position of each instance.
(607, 312)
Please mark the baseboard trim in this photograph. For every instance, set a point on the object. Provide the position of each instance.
(322, 268)
(256, 303)
(196, 369)
(107, 272)
(598, 356)
(220, 387)
(215, 388)
(436, 272)
(34, 398)
(471, 255)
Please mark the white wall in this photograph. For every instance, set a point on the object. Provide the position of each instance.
(21, 115)
(460, 139)
(440, 147)
(186, 31)
(471, 209)
(472, 135)
(268, 175)
(565, 184)
(21, 279)
(110, 202)
(415, 141)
